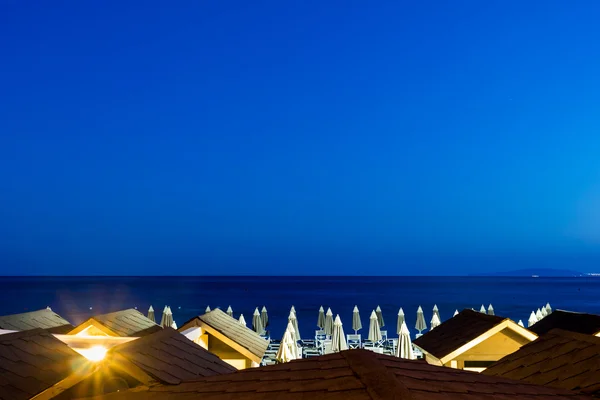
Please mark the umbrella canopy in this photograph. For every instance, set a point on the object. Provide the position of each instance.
(374, 331)
(436, 311)
(548, 308)
(482, 309)
(151, 314)
(292, 318)
(538, 314)
(356, 324)
(455, 313)
(293, 309)
(168, 317)
(379, 317)
(491, 310)
(405, 349)
(265, 317)
(328, 322)
(164, 316)
(257, 322)
(242, 320)
(230, 311)
(321, 320)
(544, 312)
(207, 309)
(521, 323)
(532, 320)
(421, 325)
(174, 325)
(338, 339)
(400, 320)
(288, 349)
(435, 321)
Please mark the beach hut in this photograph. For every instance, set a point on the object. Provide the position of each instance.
(356, 323)
(435, 321)
(294, 320)
(400, 320)
(379, 317)
(491, 310)
(225, 337)
(588, 324)
(265, 317)
(482, 309)
(472, 341)
(43, 319)
(257, 322)
(338, 339)
(374, 330)
(242, 320)
(151, 314)
(404, 349)
(559, 359)
(230, 311)
(532, 320)
(321, 318)
(421, 325)
(328, 322)
(288, 349)
(122, 323)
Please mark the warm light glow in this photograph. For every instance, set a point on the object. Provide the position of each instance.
(95, 353)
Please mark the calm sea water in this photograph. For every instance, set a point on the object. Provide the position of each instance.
(77, 298)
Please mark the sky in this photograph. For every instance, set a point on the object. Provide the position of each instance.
(299, 137)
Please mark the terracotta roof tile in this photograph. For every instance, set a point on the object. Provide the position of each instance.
(32, 361)
(366, 376)
(44, 319)
(559, 359)
(569, 321)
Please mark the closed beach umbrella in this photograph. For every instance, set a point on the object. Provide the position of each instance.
(257, 322)
(421, 325)
(292, 318)
(436, 311)
(491, 310)
(321, 319)
(544, 312)
(151, 314)
(482, 309)
(242, 320)
(374, 331)
(338, 339)
(174, 325)
(230, 311)
(538, 315)
(356, 324)
(400, 320)
(168, 317)
(171, 317)
(532, 320)
(405, 349)
(265, 317)
(293, 309)
(435, 321)
(207, 309)
(548, 308)
(329, 322)
(288, 349)
(163, 317)
(455, 313)
(521, 323)
(379, 317)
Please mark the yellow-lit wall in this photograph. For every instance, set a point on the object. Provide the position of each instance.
(91, 331)
(224, 351)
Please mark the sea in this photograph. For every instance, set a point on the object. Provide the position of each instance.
(78, 298)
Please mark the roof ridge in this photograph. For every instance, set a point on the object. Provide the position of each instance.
(380, 383)
(8, 337)
(572, 335)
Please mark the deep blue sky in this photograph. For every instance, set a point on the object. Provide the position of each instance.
(338, 137)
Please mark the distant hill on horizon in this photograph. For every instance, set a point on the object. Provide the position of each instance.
(541, 272)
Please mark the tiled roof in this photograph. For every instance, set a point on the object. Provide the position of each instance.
(170, 357)
(559, 359)
(129, 322)
(352, 375)
(44, 319)
(233, 330)
(33, 361)
(568, 321)
(456, 332)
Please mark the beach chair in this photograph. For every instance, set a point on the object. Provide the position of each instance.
(354, 341)
(320, 338)
(327, 347)
(381, 343)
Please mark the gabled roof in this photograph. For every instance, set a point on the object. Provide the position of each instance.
(569, 321)
(558, 359)
(459, 331)
(351, 375)
(129, 322)
(44, 319)
(229, 330)
(169, 357)
(33, 361)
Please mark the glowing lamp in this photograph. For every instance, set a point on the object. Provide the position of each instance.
(95, 353)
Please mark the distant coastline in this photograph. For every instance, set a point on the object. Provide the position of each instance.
(540, 272)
